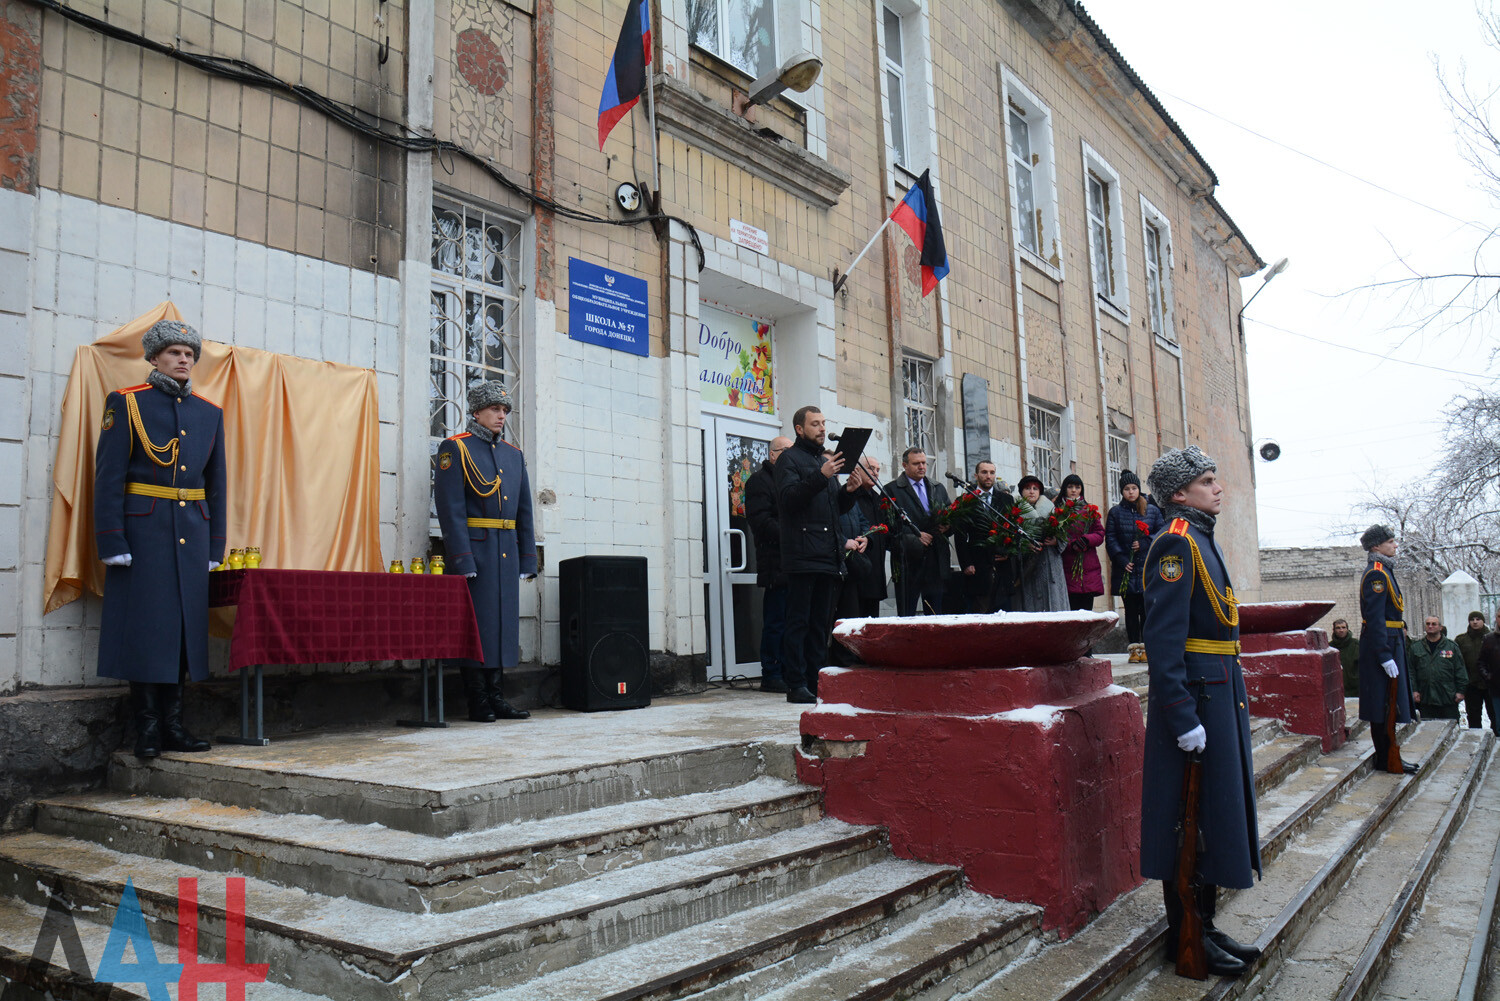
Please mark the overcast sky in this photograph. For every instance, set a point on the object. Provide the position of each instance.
(1354, 85)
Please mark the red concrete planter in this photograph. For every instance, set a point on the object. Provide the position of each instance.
(1004, 639)
(1028, 775)
(1281, 616)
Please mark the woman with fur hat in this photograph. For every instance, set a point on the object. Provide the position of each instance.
(484, 508)
(1043, 582)
(159, 513)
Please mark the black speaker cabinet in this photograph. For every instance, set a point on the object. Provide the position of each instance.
(605, 659)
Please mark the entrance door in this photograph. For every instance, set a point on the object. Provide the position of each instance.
(733, 449)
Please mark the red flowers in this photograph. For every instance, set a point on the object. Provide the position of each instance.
(1143, 528)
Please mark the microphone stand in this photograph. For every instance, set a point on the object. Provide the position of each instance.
(905, 518)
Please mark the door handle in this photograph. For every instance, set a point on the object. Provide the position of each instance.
(744, 554)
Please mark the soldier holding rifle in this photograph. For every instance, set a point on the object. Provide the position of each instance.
(1197, 720)
(1382, 650)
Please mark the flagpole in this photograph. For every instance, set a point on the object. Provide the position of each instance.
(839, 281)
(651, 119)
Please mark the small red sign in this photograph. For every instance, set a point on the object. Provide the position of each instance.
(620, 688)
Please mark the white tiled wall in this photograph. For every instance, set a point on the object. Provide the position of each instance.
(95, 267)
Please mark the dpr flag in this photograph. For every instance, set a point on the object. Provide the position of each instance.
(918, 215)
(626, 79)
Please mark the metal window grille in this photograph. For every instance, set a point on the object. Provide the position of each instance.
(1119, 458)
(1156, 293)
(474, 332)
(741, 32)
(1100, 236)
(1021, 169)
(1046, 444)
(921, 403)
(895, 84)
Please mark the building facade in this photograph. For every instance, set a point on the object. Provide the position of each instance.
(407, 187)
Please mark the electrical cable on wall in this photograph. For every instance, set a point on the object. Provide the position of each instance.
(250, 75)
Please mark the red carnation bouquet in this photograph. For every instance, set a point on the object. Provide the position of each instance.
(1010, 532)
(1142, 533)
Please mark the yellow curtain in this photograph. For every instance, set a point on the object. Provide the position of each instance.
(302, 453)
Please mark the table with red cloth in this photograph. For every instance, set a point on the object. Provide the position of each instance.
(328, 616)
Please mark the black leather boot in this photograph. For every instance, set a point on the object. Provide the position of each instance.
(479, 703)
(498, 705)
(1208, 901)
(174, 736)
(1220, 963)
(147, 712)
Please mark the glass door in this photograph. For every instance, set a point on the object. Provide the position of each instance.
(733, 450)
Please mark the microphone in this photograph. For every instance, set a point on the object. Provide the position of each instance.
(835, 437)
(957, 479)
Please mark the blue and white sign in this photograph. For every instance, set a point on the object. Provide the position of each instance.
(607, 308)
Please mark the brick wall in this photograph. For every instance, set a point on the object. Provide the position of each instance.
(1333, 573)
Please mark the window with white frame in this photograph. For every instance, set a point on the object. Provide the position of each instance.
(920, 395)
(1046, 444)
(895, 85)
(1106, 224)
(1157, 235)
(1118, 460)
(475, 324)
(740, 32)
(1033, 179)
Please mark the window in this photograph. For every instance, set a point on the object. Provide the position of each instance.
(1157, 234)
(1046, 444)
(895, 86)
(476, 309)
(921, 403)
(1106, 225)
(740, 32)
(1033, 181)
(1119, 460)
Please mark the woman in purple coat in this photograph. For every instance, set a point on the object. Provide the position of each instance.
(1081, 557)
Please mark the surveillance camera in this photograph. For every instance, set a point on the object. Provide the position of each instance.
(1270, 451)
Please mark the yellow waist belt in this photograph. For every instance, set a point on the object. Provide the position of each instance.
(168, 493)
(1390, 623)
(509, 523)
(1212, 646)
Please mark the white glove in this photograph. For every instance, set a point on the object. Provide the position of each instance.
(117, 561)
(471, 576)
(1195, 739)
(213, 565)
(1391, 670)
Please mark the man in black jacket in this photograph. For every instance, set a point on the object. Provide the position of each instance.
(760, 512)
(920, 555)
(989, 580)
(809, 501)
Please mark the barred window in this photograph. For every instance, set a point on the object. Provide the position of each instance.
(474, 335)
(921, 403)
(1119, 460)
(1046, 444)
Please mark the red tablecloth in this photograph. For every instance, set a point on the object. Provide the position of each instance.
(325, 616)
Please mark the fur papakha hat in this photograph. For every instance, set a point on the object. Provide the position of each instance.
(1375, 535)
(488, 394)
(1176, 469)
(164, 333)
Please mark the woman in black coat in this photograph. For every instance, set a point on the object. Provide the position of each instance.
(1127, 546)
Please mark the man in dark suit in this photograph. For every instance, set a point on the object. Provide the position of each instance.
(988, 579)
(922, 550)
(865, 498)
(760, 512)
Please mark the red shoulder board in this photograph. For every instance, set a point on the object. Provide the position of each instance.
(206, 400)
(1378, 566)
(461, 434)
(135, 389)
(1179, 526)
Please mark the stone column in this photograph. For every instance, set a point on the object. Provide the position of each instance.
(1460, 597)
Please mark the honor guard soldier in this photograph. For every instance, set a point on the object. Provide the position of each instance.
(484, 509)
(1382, 642)
(1196, 705)
(159, 503)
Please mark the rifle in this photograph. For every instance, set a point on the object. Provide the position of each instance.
(1192, 958)
(1392, 750)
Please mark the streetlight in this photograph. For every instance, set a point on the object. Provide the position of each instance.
(1265, 280)
(798, 73)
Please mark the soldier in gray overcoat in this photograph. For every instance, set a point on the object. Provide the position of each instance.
(159, 513)
(1197, 705)
(484, 509)
(1382, 641)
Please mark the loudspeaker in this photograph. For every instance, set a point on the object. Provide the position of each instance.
(605, 659)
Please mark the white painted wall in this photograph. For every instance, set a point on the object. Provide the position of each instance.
(17, 229)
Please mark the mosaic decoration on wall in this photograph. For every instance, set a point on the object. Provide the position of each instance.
(483, 51)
